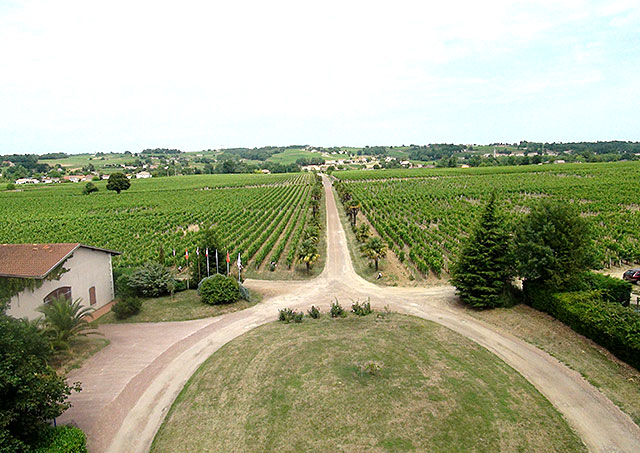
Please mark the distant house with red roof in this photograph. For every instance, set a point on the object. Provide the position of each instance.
(48, 271)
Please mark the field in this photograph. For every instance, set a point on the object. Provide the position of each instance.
(424, 214)
(299, 387)
(260, 216)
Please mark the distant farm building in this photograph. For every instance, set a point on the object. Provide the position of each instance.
(143, 175)
(48, 271)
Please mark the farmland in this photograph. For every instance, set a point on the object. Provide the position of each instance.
(424, 214)
(260, 216)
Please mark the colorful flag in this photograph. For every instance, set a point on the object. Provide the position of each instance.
(239, 264)
(198, 251)
(228, 259)
(186, 254)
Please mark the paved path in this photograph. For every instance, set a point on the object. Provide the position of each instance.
(129, 385)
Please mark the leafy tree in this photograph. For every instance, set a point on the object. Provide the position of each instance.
(308, 252)
(11, 186)
(198, 263)
(553, 245)
(315, 207)
(483, 272)
(89, 188)
(31, 392)
(65, 320)
(374, 249)
(118, 182)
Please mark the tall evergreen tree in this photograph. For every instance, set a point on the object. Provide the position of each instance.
(483, 272)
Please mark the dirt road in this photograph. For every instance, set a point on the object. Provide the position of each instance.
(130, 385)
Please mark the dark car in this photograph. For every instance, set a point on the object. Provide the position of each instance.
(632, 275)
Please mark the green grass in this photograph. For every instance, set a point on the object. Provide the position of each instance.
(185, 305)
(298, 387)
(617, 380)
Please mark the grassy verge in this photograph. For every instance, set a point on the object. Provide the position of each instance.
(301, 387)
(617, 380)
(81, 349)
(183, 306)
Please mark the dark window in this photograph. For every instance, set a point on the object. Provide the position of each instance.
(63, 292)
(92, 295)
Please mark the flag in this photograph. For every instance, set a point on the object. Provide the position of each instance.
(174, 252)
(186, 254)
(239, 262)
(206, 253)
(198, 251)
(228, 260)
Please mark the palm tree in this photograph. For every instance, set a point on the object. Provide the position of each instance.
(352, 209)
(65, 320)
(374, 249)
(308, 252)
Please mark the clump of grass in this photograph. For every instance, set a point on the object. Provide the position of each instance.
(386, 311)
(362, 309)
(370, 368)
(314, 312)
(336, 310)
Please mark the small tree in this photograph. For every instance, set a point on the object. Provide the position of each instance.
(483, 273)
(150, 280)
(198, 263)
(362, 232)
(89, 188)
(11, 186)
(308, 252)
(118, 182)
(553, 244)
(374, 249)
(353, 207)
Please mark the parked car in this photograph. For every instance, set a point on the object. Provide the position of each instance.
(632, 275)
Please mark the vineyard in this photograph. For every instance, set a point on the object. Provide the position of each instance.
(424, 214)
(262, 217)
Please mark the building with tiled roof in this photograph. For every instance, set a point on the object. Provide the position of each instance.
(69, 270)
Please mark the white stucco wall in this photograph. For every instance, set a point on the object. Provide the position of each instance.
(87, 268)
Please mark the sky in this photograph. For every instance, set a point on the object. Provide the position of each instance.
(88, 76)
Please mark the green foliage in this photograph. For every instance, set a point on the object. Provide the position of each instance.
(308, 252)
(67, 439)
(244, 292)
(483, 273)
(89, 188)
(362, 233)
(65, 320)
(336, 310)
(374, 249)
(362, 309)
(126, 307)
(553, 244)
(118, 182)
(32, 393)
(314, 312)
(219, 289)
(611, 325)
(370, 368)
(208, 238)
(150, 280)
(11, 186)
(612, 289)
(288, 315)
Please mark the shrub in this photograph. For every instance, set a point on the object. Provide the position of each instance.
(150, 280)
(64, 321)
(287, 315)
(179, 286)
(68, 439)
(89, 188)
(11, 186)
(314, 312)
(336, 310)
(362, 309)
(612, 289)
(127, 307)
(219, 289)
(244, 293)
(122, 286)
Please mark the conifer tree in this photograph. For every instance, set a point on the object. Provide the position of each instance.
(483, 272)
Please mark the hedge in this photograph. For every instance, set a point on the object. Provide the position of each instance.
(611, 325)
(612, 289)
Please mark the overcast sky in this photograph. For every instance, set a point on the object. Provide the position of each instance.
(87, 76)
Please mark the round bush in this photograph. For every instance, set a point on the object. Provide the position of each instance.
(219, 289)
(128, 306)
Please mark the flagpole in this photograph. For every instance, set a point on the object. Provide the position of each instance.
(186, 255)
(207, 253)
(217, 272)
(198, 259)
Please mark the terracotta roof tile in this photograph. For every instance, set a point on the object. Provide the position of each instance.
(35, 260)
